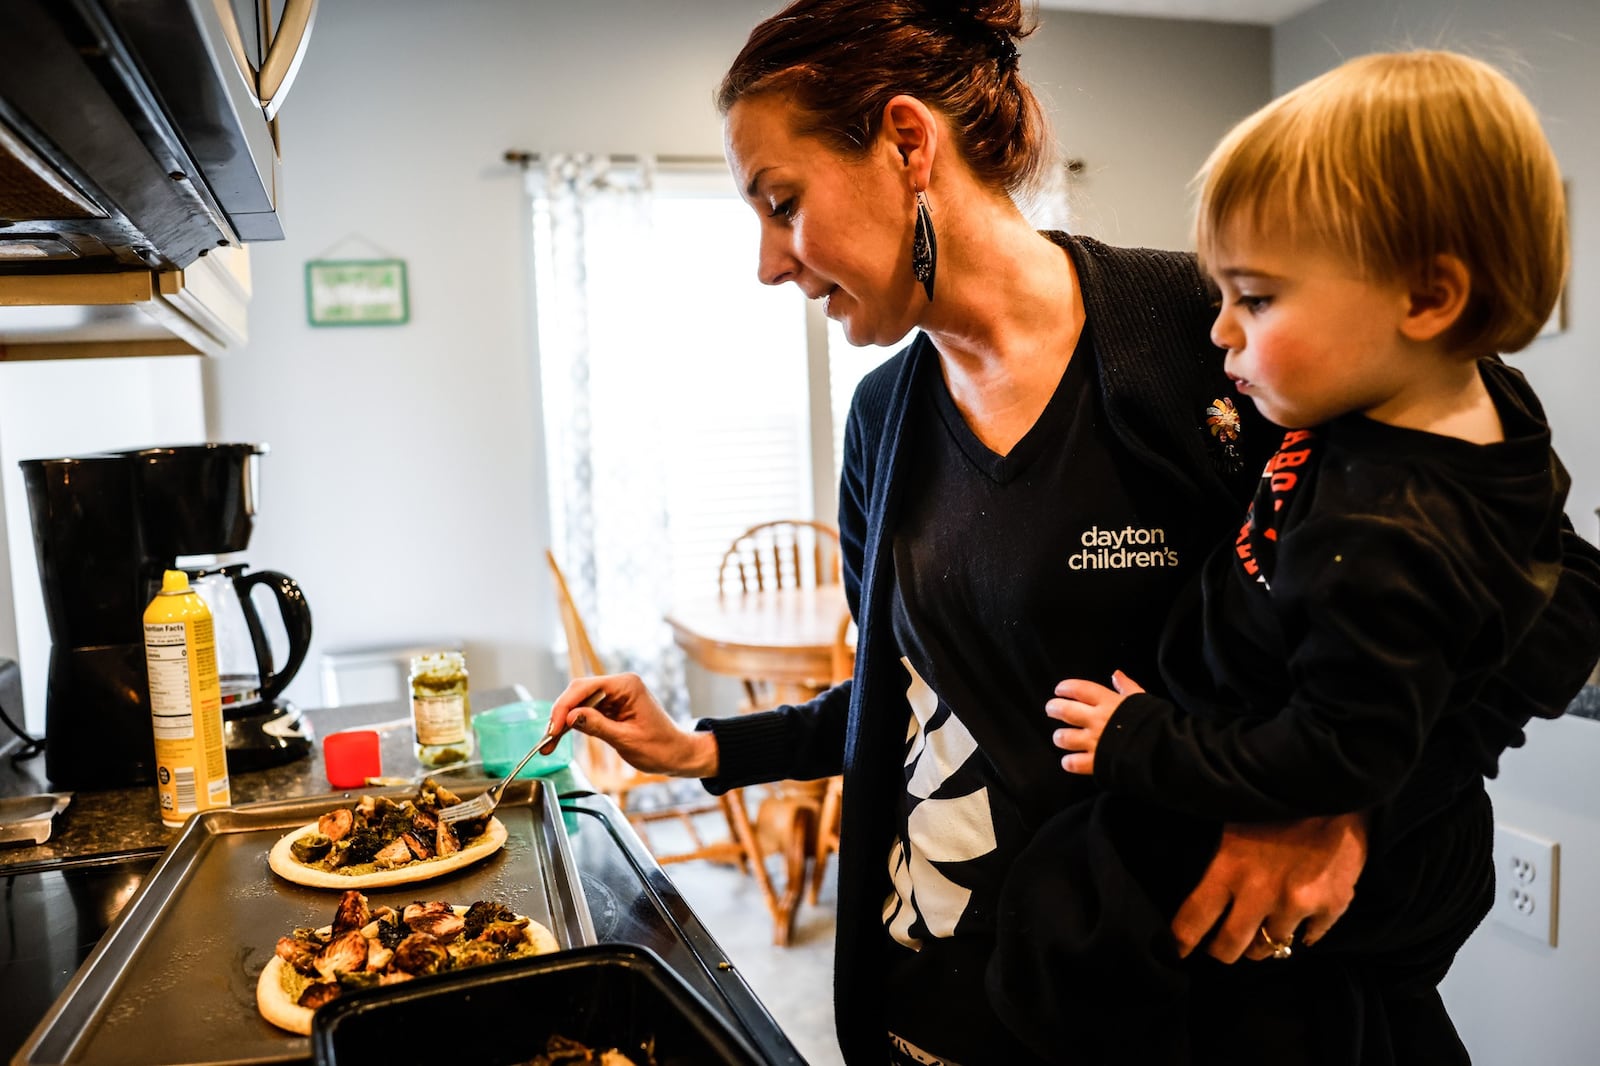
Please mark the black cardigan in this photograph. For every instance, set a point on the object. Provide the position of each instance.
(1151, 313)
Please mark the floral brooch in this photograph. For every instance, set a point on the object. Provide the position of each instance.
(1222, 419)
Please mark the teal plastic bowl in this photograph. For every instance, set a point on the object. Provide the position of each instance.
(506, 733)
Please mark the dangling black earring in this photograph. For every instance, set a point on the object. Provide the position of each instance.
(924, 247)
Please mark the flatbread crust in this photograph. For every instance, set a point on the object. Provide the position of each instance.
(273, 1001)
(286, 866)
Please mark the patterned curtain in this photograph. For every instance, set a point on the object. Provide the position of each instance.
(595, 275)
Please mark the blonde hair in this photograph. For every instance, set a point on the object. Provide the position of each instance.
(1393, 160)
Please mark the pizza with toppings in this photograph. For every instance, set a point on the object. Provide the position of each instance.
(369, 946)
(378, 842)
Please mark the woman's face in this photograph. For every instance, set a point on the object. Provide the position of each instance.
(840, 228)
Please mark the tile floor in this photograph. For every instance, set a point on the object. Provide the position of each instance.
(795, 983)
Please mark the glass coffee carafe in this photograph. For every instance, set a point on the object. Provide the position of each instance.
(244, 652)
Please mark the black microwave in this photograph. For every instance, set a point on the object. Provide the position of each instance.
(140, 133)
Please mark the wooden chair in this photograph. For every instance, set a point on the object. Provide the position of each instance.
(786, 553)
(612, 776)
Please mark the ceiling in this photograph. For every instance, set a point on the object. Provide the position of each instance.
(1260, 12)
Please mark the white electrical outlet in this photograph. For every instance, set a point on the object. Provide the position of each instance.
(1527, 875)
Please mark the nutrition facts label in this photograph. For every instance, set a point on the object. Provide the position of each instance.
(167, 656)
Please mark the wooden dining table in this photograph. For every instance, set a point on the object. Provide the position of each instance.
(783, 638)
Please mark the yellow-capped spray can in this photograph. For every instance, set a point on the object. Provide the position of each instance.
(180, 651)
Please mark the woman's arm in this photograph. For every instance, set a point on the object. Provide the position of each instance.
(800, 742)
(628, 718)
(787, 743)
(1288, 872)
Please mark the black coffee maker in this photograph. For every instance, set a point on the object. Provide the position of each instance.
(105, 527)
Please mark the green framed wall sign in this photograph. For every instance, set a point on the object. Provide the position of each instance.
(357, 292)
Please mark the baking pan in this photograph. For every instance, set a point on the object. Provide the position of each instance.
(619, 996)
(173, 981)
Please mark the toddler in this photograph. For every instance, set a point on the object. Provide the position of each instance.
(1378, 235)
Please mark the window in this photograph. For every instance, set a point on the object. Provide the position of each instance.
(691, 412)
(684, 401)
(741, 450)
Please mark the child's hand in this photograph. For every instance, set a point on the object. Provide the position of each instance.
(1085, 707)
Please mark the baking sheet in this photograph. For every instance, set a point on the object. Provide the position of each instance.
(173, 981)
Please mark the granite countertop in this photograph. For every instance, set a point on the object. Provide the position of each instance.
(122, 820)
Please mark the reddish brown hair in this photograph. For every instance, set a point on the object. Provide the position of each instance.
(840, 61)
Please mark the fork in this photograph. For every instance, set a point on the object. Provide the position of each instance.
(483, 804)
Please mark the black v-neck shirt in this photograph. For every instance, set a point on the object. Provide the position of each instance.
(1012, 572)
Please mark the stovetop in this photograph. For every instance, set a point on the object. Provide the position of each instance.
(54, 917)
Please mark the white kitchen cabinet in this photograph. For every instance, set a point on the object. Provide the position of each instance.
(201, 310)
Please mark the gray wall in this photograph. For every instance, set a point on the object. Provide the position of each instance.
(406, 484)
(1142, 101)
(1515, 1000)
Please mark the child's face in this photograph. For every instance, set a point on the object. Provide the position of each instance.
(1308, 338)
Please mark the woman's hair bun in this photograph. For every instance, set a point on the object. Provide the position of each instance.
(996, 25)
(998, 16)
(836, 63)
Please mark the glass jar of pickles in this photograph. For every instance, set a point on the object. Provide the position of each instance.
(440, 711)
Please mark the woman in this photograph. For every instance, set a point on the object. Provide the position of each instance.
(1036, 471)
